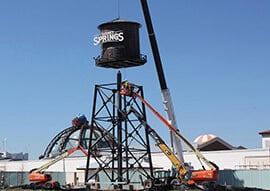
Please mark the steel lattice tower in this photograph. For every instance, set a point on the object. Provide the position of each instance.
(127, 148)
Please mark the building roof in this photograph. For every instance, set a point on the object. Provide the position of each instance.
(204, 138)
(215, 144)
(210, 142)
(264, 132)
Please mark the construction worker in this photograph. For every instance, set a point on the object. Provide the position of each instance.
(128, 88)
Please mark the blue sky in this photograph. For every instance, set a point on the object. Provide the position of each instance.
(215, 55)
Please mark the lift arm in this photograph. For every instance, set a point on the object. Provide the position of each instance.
(38, 175)
(58, 158)
(128, 89)
(197, 176)
(182, 171)
(177, 134)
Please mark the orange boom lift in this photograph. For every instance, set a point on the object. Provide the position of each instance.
(196, 177)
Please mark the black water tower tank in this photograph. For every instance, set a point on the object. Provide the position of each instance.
(120, 48)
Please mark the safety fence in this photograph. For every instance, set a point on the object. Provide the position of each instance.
(240, 178)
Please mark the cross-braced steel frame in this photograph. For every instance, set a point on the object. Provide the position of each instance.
(127, 142)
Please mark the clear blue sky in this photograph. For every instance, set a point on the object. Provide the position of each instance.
(215, 54)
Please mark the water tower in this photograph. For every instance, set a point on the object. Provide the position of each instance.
(126, 160)
(120, 47)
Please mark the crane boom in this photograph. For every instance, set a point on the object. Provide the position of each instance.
(167, 101)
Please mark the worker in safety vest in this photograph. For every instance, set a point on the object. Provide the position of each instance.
(128, 88)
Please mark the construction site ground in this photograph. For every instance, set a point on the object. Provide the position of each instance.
(218, 188)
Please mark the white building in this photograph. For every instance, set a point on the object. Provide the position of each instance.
(214, 149)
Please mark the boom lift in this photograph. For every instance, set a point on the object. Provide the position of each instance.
(179, 166)
(196, 176)
(39, 179)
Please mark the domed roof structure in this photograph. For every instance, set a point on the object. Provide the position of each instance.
(76, 136)
(204, 138)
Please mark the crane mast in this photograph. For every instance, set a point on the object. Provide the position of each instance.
(167, 100)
